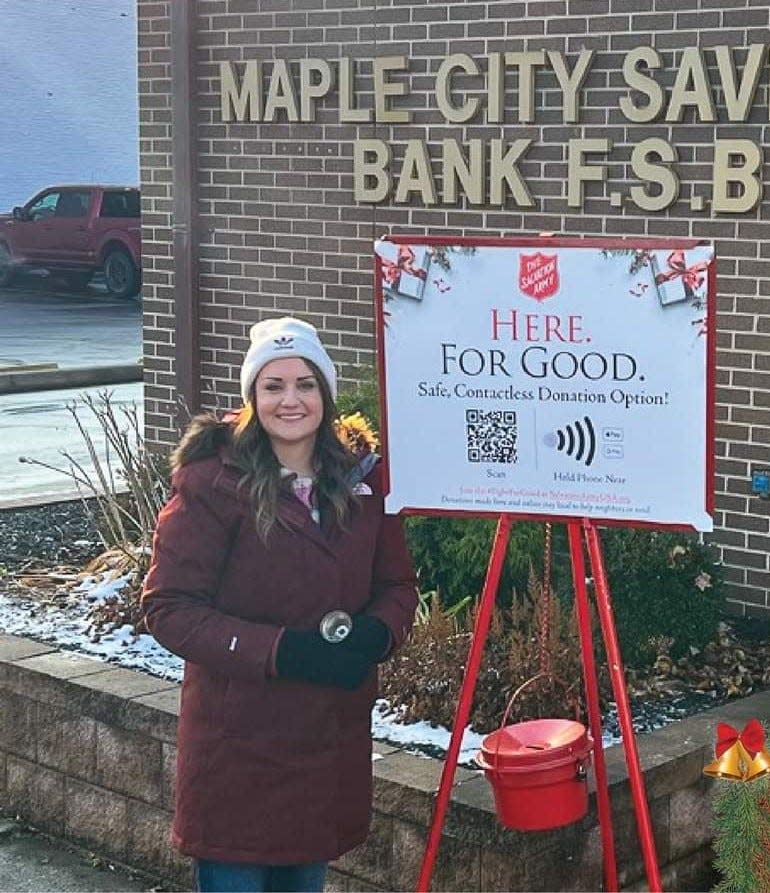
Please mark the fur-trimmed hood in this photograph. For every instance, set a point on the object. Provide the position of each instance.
(205, 436)
(208, 436)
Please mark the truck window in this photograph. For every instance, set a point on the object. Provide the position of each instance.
(73, 204)
(120, 203)
(44, 206)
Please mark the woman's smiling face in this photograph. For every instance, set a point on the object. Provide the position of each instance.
(289, 401)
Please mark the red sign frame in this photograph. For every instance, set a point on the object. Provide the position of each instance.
(542, 244)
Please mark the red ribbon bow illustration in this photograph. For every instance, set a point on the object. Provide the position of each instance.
(692, 276)
(752, 737)
(404, 262)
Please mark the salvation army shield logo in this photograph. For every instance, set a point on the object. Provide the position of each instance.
(538, 275)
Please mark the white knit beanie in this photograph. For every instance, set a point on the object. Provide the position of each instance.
(274, 339)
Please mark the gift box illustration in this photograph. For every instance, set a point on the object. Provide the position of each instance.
(404, 269)
(674, 280)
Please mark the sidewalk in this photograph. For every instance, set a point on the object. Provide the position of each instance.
(33, 863)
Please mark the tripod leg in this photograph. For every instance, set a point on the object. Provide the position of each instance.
(472, 665)
(617, 676)
(592, 702)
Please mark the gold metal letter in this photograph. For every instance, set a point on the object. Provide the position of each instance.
(455, 113)
(745, 175)
(310, 91)
(366, 167)
(570, 83)
(349, 114)
(237, 101)
(738, 100)
(643, 83)
(416, 175)
(495, 88)
(503, 170)
(578, 173)
(470, 173)
(526, 62)
(280, 93)
(691, 68)
(383, 88)
(661, 174)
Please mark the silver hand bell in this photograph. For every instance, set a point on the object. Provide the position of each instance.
(336, 626)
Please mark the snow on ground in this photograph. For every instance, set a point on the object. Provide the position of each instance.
(66, 625)
(420, 734)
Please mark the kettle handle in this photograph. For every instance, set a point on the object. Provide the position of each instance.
(515, 695)
(531, 681)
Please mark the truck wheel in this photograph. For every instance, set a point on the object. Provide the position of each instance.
(7, 271)
(120, 274)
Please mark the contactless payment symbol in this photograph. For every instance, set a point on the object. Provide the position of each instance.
(577, 440)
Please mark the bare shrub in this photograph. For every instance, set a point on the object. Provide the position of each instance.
(425, 676)
(122, 492)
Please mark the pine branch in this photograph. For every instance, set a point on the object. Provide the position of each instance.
(742, 827)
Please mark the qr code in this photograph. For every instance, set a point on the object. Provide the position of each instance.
(491, 436)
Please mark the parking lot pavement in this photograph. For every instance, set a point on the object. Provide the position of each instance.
(32, 863)
(40, 426)
(47, 326)
(43, 325)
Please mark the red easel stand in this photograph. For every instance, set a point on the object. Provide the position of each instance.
(466, 696)
(617, 677)
(592, 703)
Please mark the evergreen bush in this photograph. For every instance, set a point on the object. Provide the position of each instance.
(363, 397)
(452, 555)
(662, 585)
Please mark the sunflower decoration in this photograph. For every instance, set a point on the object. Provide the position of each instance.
(356, 432)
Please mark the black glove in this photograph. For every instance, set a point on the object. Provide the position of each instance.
(309, 657)
(369, 637)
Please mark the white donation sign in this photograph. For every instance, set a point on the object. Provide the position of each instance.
(548, 377)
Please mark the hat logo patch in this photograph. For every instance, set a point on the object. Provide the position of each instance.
(285, 342)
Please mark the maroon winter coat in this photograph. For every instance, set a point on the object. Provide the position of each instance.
(269, 771)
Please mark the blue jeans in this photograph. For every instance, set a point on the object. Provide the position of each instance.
(242, 877)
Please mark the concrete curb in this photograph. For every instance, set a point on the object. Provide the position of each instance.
(46, 499)
(21, 381)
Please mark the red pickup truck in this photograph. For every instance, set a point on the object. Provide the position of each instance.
(73, 231)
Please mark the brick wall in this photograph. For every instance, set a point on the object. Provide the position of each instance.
(155, 173)
(280, 231)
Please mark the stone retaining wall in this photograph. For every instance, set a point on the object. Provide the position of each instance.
(87, 752)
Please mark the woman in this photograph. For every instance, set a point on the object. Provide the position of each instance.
(271, 525)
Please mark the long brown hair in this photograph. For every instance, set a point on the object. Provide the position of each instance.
(332, 461)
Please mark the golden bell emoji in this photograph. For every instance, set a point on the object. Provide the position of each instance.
(759, 767)
(731, 765)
